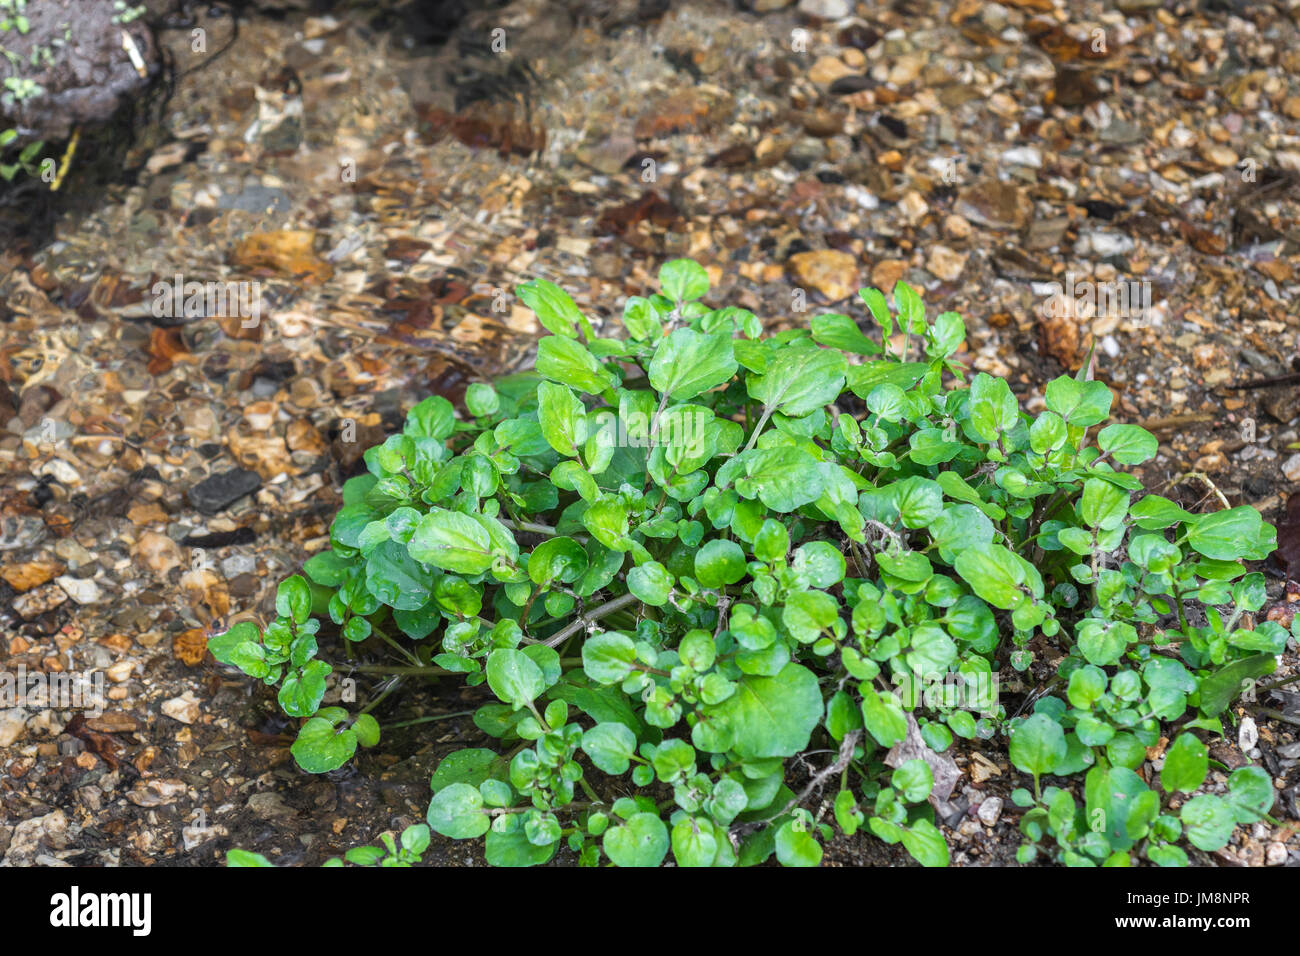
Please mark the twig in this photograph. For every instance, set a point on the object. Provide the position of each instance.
(591, 617)
(819, 779)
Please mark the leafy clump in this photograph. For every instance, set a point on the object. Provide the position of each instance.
(684, 559)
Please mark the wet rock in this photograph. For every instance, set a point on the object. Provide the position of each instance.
(269, 806)
(828, 69)
(1102, 245)
(1276, 854)
(39, 601)
(21, 531)
(156, 792)
(217, 492)
(184, 708)
(994, 204)
(13, 724)
(831, 272)
(82, 590)
(29, 574)
(33, 837)
(990, 810)
(1291, 467)
(157, 552)
(825, 9)
(945, 263)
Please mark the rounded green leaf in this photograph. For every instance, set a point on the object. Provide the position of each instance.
(1186, 762)
(456, 811)
(719, 563)
(514, 677)
(641, 841)
(651, 583)
(1037, 744)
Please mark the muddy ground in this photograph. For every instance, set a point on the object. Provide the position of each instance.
(159, 472)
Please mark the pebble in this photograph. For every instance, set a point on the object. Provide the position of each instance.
(1102, 244)
(269, 805)
(21, 531)
(13, 724)
(120, 672)
(158, 553)
(238, 564)
(1291, 467)
(156, 792)
(990, 810)
(35, 603)
(945, 263)
(31, 837)
(825, 9)
(184, 708)
(828, 69)
(71, 551)
(217, 492)
(1029, 156)
(1276, 854)
(955, 226)
(81, 590)
(831, 272)
(1247, 734)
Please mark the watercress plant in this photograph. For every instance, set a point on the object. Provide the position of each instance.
(690, 559)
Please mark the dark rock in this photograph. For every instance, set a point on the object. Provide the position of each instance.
(218, 492)
(74, 52)
(853, 83)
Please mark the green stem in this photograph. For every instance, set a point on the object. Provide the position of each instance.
(609, 607)
(428, 720)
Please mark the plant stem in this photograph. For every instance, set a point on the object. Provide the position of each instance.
(428, 720)
(595, 614)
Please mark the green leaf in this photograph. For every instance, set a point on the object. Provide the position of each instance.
(515, 849)
(771, 716)
(1250, 793)
(610, 747)
(513, 677)
(553, 306)
(795, 846)
(452, 541)
(557, 559)
(566, 361)
(608, 658)
(694, 842)
(1222, 687)
(687, 363)
(993, 408)
(1186, 762)
(432, 418)
(246, 858)
(1079, 403)
(841, 332)
(995, 574)
(1037, 745)
(683, 280)
(641, 841)
(223, 646)
(1128, 444)
(293, 599)
(719, 563)
(883, 716)
(396, 578)
(471, 766)
(1225, 535)
(456, 811)
(302, 691)
(651, 583)
(320, 748)
(926, 844)
(784, 478)
(1208, 822)
(799, 381)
